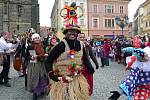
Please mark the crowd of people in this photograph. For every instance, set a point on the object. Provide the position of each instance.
(49, 64)
(35, 59)
(112, 48)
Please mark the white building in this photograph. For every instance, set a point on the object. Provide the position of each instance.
(57, 20)
(137, 21)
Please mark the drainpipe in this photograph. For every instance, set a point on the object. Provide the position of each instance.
(88, 17)
(8, 3)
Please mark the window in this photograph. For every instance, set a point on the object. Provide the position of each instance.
(106, 22)
(95, 22)
(81, 22)
(82, 5)
(109, 9)
(148, 10)
(95, 8)
(20, 10)
(5, 8)
(109, 22)
(146, 24)
(121, 10)
(112, 23)
(66, 3)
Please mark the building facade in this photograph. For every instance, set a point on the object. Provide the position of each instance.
(44, 31)
(146, 17)
(101, 17)
(137, 21)
(130, 34)
(58, 22)
(17, 16)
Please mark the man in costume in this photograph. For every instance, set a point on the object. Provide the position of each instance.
(48, 37)
(65, 65)
(90, 55)
(5, 50)
(65, 68)
(24, 56)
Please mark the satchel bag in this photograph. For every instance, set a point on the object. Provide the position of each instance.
(3, 58)
(17, 64)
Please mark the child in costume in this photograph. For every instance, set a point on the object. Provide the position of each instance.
(137, 85)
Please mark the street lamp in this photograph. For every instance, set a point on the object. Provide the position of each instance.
(122, 22)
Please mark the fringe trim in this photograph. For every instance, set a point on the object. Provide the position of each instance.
(78, 89)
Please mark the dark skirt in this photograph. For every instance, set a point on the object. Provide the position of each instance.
(42, 86)
(37, 79)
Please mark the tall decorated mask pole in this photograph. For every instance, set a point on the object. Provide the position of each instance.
(71, 14)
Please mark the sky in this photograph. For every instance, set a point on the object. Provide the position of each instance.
(47, 5)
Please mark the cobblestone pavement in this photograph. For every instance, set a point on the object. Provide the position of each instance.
(105, 80)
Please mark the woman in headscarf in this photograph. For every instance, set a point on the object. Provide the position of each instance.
(37, 80)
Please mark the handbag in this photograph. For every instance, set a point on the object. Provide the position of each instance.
(17, 64)
(3, 58)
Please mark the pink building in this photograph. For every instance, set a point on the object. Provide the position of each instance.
(101, 17)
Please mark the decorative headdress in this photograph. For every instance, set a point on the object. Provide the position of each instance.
(71, 17)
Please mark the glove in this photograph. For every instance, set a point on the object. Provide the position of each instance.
(65, 79)
(114, 96)
(91, 70)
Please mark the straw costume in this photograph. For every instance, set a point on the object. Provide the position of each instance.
(65, 65)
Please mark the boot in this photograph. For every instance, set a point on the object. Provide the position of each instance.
(7, 84)
(114, 96)
(1, 80)
(25, 80)
(34, 96)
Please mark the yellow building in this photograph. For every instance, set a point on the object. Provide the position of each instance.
(146, 17)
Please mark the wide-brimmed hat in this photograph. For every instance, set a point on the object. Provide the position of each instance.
(71, 27)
